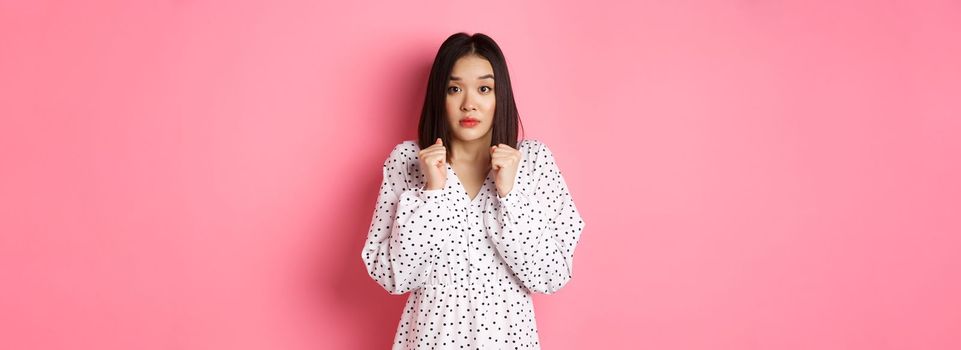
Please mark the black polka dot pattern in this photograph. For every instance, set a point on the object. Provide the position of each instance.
(471, 264)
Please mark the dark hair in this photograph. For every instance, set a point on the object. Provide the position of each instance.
(433, 117)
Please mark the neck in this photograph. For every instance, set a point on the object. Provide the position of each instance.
(471, 152)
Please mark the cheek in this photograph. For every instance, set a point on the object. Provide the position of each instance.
(490, 104)
(452, 106)
(452, 112)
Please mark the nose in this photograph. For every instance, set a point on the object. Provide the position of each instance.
(468, 104)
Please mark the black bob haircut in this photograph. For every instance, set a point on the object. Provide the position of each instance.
(433, 117)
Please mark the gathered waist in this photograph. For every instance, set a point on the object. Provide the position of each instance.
(476, 287)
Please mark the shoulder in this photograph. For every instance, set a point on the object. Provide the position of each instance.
(534, 150)
(529, 146)
(400, 164)
(536, 157)
(400, 159)
(403, 152)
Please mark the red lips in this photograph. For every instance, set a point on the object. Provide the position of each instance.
(469, 122)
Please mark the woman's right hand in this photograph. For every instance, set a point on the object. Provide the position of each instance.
(433, 162)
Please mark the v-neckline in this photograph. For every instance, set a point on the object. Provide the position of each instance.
(463, 190)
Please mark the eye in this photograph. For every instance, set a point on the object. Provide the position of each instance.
(452, 89)
(489, 89)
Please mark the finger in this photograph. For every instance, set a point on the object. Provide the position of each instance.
(432, 149)
(503, 161)
(504, 148)
(502, 153)
(435, 145)
(434, 153)
(434, 156)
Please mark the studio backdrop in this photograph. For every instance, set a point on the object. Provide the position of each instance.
(753, 174)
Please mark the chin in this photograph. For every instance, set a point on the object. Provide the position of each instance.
(471, 135)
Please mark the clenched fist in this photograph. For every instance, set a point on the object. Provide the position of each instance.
(504, 161)
(433, 163)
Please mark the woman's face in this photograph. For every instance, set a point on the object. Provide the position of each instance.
(470, 95)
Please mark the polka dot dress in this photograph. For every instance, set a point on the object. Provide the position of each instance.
(471, 264)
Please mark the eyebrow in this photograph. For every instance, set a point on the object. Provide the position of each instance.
(486, 76)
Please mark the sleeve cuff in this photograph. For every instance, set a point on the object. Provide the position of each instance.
(430, 195)
(512, 199)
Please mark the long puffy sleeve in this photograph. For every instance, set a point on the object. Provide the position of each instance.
(536, 227)
(409, 227)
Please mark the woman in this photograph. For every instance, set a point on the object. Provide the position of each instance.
(468, 220)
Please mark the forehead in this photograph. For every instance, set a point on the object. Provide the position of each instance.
(470, 65)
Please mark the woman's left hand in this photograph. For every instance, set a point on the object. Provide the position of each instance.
(504, 162)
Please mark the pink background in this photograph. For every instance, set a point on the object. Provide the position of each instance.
(753, 174)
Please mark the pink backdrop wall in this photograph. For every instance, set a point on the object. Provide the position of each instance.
(753, 174)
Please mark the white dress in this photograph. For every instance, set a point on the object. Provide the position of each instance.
(471, 265)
